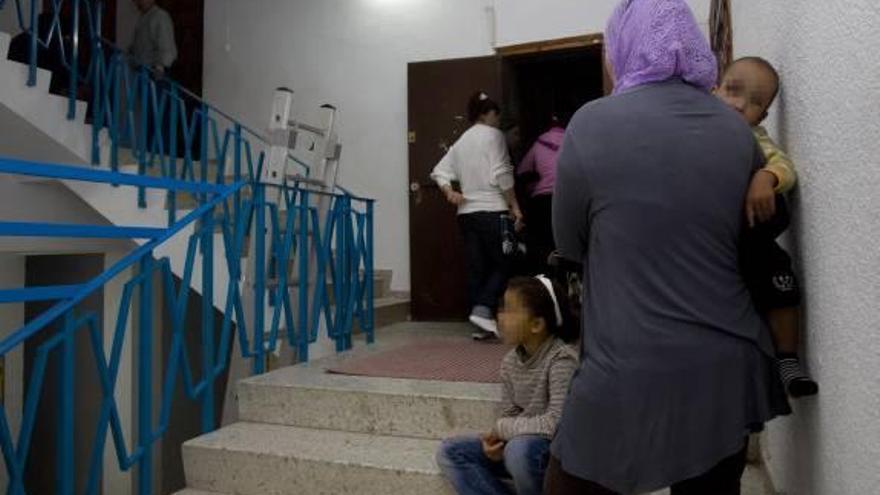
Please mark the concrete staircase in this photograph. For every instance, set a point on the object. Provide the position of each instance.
(304, 431)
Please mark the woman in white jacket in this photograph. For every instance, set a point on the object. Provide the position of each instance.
(480, 163)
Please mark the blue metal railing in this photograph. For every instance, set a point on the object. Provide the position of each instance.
(132, 106)
(60, 344)
(312, 250)
(163, 124)
(347, 270)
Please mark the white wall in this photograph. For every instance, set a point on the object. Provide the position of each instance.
(827, 119)
(20, 139)
(55, 204)
(9, 18)
(353, 53)
(521, 21)
(23, 140)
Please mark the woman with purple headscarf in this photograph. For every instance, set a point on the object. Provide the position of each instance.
(677, 368)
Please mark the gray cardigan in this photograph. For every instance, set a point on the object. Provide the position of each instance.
(534, 389)
(677, 366)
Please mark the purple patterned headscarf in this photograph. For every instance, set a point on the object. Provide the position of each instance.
(649, 41)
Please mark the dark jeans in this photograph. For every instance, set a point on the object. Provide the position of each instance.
(471, 473)
(723, 479)
(766, 267)
(487, 266)
(539, 233)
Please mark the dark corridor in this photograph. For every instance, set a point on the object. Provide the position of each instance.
(539, 85)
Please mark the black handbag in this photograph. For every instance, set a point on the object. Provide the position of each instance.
(512, 244)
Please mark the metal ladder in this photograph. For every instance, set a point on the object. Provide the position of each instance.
(288, 139)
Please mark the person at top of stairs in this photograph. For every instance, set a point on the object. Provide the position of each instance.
(153, 44)
(535, 378)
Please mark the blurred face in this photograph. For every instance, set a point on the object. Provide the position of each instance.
(491, 118)
(748, 88)
(515, 322)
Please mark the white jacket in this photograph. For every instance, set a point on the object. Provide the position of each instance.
(480, 163)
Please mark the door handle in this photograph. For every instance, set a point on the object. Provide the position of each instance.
(416, 190)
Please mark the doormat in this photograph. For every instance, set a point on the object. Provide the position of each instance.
(448, 360)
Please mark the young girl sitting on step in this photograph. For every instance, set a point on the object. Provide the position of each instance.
(535, 376)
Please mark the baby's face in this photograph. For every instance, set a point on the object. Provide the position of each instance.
(748, 88)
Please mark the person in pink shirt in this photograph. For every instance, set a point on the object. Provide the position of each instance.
(538, 171)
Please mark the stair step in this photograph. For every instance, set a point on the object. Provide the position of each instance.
(188, 201)
(389, 311)
(18, 73)
(307, 396)
(185, 200)
(127, 158)
(382, 293)
(260, 459)
(250, 459)
(384, 289)
(5, 38)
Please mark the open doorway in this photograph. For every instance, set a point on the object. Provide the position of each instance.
(532, 82)
(542, 90)
(537, 86)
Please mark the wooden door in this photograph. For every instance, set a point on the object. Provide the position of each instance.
(438, 94)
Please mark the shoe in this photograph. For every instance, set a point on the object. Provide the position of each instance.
(802, 387)
(797, 382)
(486, 324)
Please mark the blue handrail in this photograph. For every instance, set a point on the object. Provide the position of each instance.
(348, 269)
(43, 170)
(194, 152)
(64, 311)
(86, 289)
(33, 229)
(39, 293)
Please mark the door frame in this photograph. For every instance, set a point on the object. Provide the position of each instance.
(582, 41)
(557, 44)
